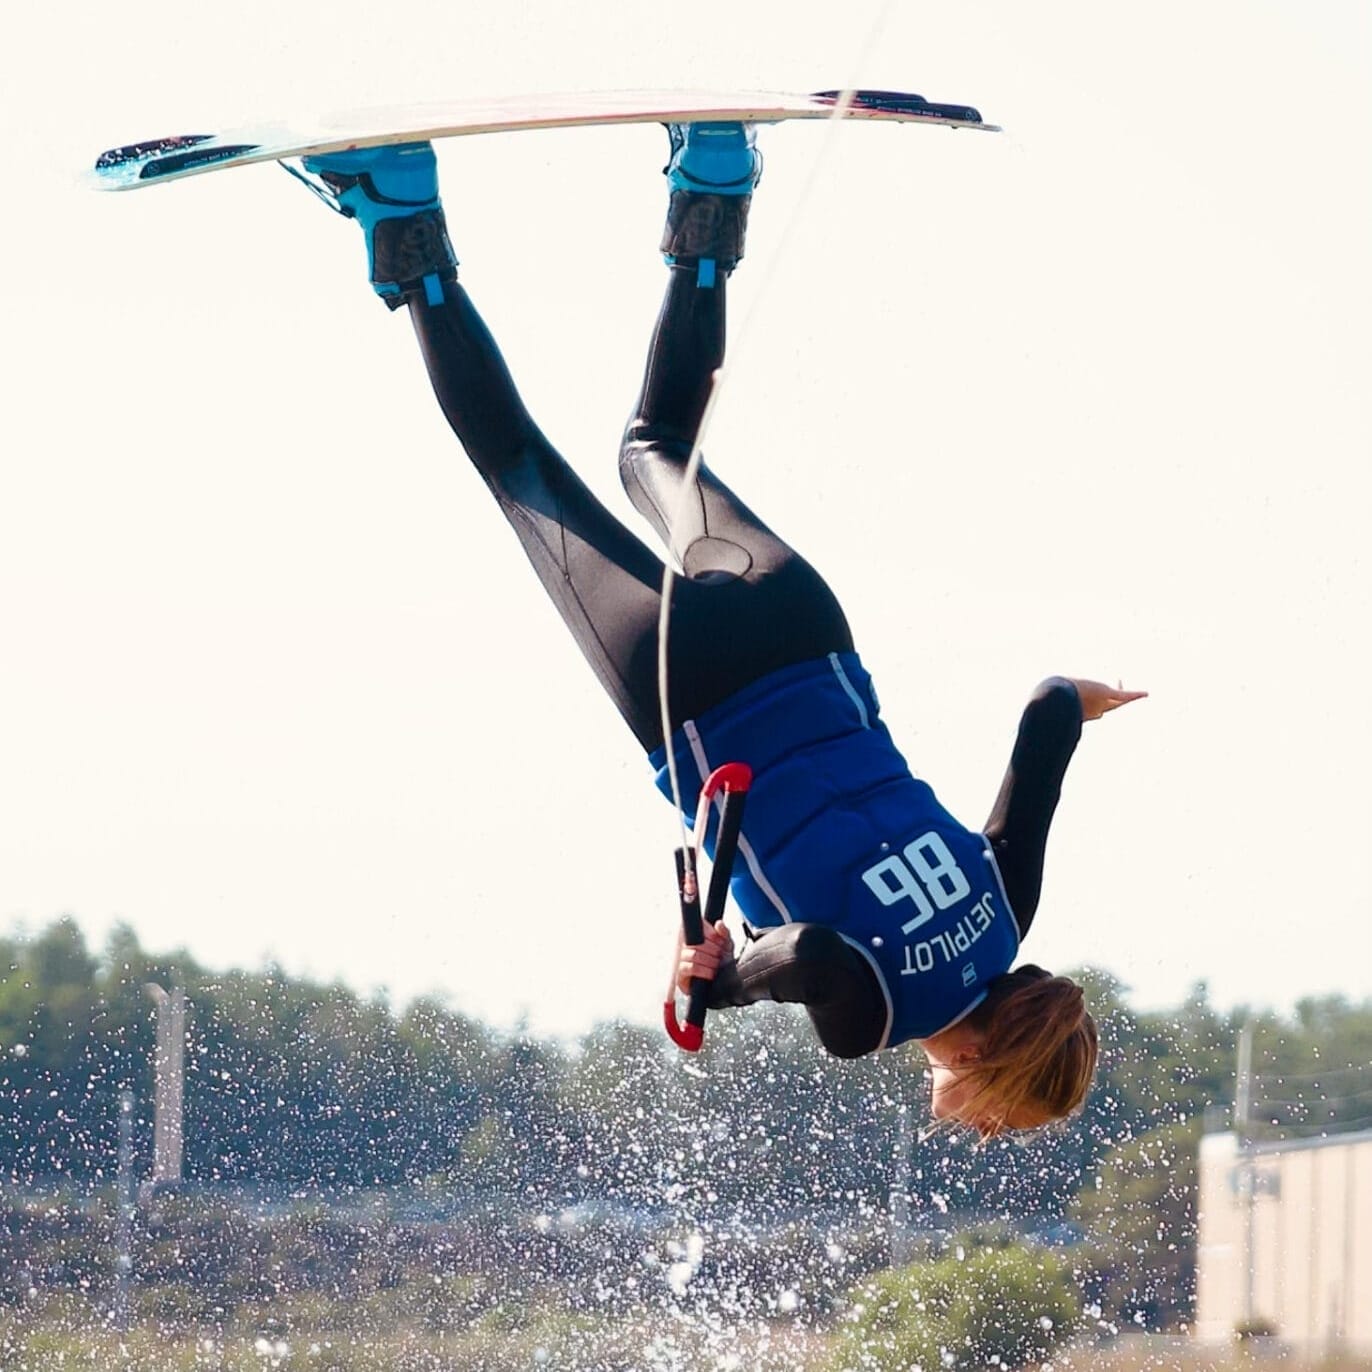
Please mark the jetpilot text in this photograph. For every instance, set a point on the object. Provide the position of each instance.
(947, 946)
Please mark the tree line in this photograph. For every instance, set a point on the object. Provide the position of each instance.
(296, 1086)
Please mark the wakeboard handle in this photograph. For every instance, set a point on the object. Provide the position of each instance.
(734, 779)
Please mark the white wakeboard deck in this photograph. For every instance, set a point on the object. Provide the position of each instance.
(158, 160)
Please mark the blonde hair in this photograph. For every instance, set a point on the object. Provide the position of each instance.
(1039, 1048)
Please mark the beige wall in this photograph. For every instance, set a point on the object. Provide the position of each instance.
(1219, 1241)
(1310, 1223)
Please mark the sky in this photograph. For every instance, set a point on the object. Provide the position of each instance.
(1089, 397)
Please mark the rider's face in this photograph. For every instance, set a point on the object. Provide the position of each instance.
(954, 1088)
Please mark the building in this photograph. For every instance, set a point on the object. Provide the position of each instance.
(1284, 1241)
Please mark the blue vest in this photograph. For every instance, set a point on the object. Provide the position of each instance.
(837, 831)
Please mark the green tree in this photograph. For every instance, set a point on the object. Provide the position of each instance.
(1009, 1307)
(1140, 1222)
(1314, 1073)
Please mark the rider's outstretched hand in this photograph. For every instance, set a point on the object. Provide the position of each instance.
(1097, 698)
(703, 960)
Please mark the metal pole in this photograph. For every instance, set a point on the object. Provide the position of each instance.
(1243, 1086)
(169, 1084)
(123, 1224)
(902, 1247)
(1243, 1104)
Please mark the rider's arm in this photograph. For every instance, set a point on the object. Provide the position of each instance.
(1018, 825)
(1048, 734)
(801, 964)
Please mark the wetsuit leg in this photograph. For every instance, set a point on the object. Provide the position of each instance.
(603, 580)
(749, 604)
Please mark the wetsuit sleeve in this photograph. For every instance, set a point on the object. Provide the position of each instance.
(809, 965)
(1018, 827)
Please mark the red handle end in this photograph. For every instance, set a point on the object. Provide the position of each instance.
(732, 776)
(687, 1036)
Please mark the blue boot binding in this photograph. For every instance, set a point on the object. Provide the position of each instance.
(711, 175)
(392, 192)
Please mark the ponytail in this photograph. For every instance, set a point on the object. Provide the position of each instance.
(1039, 1046)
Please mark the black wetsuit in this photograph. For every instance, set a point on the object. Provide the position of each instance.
(748, 605)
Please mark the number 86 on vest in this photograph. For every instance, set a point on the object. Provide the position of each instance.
(925, 873)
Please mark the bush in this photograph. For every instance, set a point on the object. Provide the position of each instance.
(1007, 1308)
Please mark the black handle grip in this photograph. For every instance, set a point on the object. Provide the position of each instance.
(693, 929)
(693, 932)
(726, 849)
(734, 779)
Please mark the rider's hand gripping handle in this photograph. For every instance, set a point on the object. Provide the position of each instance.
(733, 779)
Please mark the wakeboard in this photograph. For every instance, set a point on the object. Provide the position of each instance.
(172, 158)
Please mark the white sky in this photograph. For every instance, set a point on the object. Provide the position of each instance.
(1089, 398)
